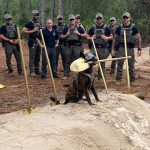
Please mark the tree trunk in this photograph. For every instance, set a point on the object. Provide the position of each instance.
(5, 7)
(52, 8)
(43, 8)
(60, 7)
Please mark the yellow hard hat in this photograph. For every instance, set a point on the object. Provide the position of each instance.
(1, 86)
(79, 65)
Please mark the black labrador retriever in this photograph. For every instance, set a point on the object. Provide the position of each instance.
(83, 82)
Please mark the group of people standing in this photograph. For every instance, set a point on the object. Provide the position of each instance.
(67, 40)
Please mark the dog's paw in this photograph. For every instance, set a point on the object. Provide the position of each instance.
(66, 102)
(98, 100)
(54, 100)
(92, 104)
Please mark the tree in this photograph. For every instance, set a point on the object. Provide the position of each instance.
(60, 7)
(52, 6)
(5, 7)
(43, 8)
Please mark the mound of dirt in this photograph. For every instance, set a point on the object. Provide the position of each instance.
(120, 121)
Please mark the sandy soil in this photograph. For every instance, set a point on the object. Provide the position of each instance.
(120, 122)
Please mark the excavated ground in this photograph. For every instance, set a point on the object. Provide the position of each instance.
(13, 97)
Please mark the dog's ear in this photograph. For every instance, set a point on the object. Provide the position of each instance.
(82, 55)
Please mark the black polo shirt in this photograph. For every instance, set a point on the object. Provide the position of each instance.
(50, 37)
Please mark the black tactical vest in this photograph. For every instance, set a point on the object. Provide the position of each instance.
(11, 31)
(72, 36)
(36, 24)
(130, 38)
(112, 30)
(99, 32)
(59, 30)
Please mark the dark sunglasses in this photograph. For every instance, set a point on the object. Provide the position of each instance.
(37, 14)
(78, 18)
(8, 19)
(71, 19)
(60, 19)
(112, 20)
(125, 17)
(99, 18)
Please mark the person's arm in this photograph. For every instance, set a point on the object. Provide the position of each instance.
(66, 33)
(40, 43)
(107, 36)
(138, 40)
(57, 43)
(91, 34)
(113, 45)
(139, 44)
(27, 31)
(12, 41)
(29, 28)
(39, 40)
(82, 32)
(4, 38)
(57, 40)
(3, 32)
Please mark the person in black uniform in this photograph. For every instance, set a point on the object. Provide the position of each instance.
(112, 26)
(32, 27)
(73, 36)
(60, 50)
(132, 37)
(8, 34)
(100, 34)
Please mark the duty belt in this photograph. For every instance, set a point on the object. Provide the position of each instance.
(99, 46)
(74, 45)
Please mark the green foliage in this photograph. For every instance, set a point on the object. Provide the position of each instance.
(139, 10)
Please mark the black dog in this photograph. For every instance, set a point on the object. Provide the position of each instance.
(83, 82)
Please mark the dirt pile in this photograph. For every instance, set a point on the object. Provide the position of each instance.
(119, 122)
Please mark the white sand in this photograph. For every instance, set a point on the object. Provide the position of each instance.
(119, 122)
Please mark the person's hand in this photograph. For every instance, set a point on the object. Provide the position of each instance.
(16, 41)
(68, 33)
(76, 32)
(36, 29)
(104, 37)
(12, 42)
(113, 52)
(42, 46)
(94, 37)
(56, 45)
(139, 53)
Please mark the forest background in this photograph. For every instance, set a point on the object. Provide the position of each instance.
(21, 11)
